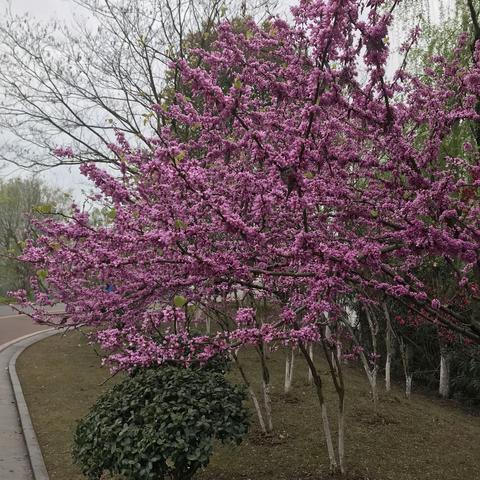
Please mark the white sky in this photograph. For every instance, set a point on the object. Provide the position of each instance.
(40, 8)
(64, 178)
(68, 178)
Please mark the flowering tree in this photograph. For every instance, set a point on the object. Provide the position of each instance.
(302, 176)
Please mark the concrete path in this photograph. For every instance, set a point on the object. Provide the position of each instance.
(14, 459)
(15, 326)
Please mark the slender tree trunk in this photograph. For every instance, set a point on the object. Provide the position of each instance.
(371, 372)
(408, 385)
(310, 352)
(372, 380)
(267, 400)
(335, 366)
(292, 364)
(317, 380)
(373, 326)
(328, 336)
(388, 382)
(208, 325)
(328, 436)
(328, 332)
(405, 354)
(287, 372)
(289, 368)
(253, 397)
(388, 345)
(444, 384)
(341, 432)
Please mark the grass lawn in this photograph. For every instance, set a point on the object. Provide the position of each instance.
(6, 300)
(421, 439)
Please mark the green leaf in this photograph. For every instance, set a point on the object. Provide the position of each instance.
(179, 301)
(111, 214)
(237, 84)
(179, 157)
(180, 224)
(42, 274)
(147, 117)
(44, 209)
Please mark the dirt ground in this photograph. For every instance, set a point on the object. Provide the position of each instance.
(420, 439)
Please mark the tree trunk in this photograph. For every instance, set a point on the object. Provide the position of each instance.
(268, 405)
(208, 325)
(444, 384)
(289, 368)
(328, 436)
(408, 385)
(335, 366)
(328, 336)
(287, 373)
(370, 371)
(323, 408)
(341, 432)
(258, 410)
(405, 354)
(388, 363)
(253, 397)
(388, 345)
(310, 352)
(372, 380)
(267, 400)
(388, 367)
(339, 353)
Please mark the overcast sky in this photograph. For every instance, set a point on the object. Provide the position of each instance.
(69, 178)
(41, 8)
(64, 178)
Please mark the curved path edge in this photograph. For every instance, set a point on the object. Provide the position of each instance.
(35, 456)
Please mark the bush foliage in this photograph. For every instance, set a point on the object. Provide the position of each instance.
(160, 424)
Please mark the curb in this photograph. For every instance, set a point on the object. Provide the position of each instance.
(33, 448)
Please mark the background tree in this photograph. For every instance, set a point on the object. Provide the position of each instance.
(74, 84)
(21, 201)
(431, 355)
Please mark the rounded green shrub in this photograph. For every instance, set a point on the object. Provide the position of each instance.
(160, 424)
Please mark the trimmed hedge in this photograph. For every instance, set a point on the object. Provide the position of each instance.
(160, 424)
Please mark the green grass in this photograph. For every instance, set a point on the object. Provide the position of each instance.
(7, 300)
(421, 439)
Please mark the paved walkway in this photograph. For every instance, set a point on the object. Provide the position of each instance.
(13, 325)
(14, 460)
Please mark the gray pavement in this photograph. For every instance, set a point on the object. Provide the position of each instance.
(13, 325)
(14, 459)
